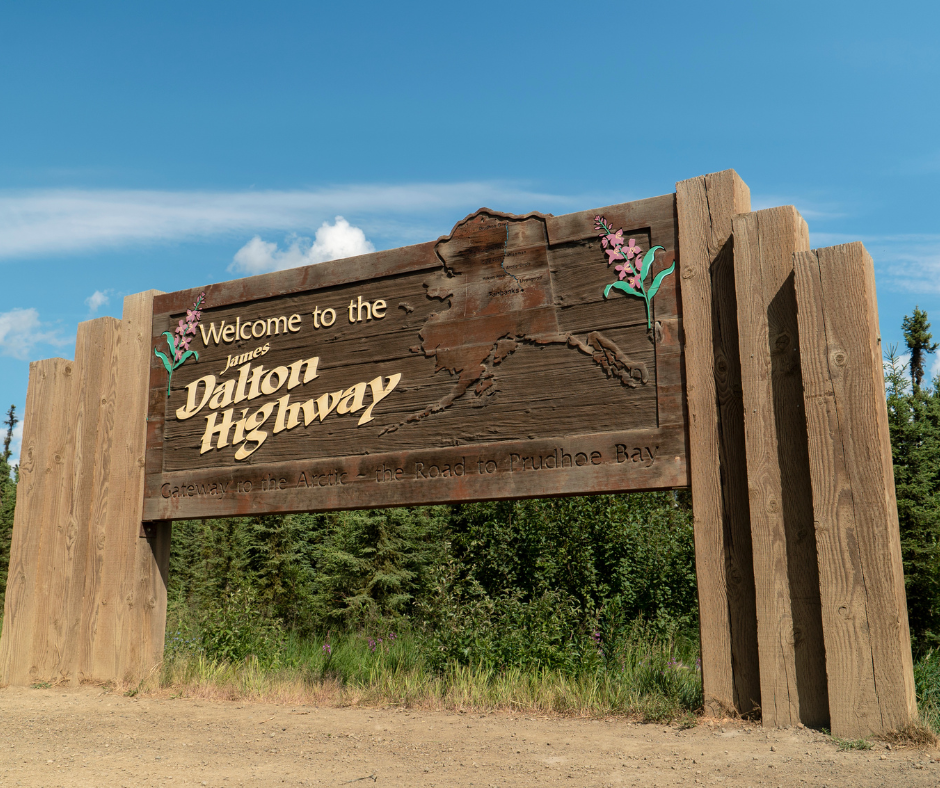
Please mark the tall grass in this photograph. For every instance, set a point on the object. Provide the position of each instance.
(927, 685)
(650, 678)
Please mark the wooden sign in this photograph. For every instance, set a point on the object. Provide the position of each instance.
(518, 356)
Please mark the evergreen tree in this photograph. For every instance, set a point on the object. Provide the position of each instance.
(917, 337)
(373, 565)
(914, 422)
(275, 560)
(7, 500)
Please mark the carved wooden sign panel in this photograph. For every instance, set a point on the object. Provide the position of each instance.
(518, 356)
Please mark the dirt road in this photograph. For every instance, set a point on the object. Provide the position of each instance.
(89, 737)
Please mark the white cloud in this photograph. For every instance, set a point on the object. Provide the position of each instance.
(21, 330)
(905, 263)
(332, 241)
(97, 300)
(70, 221)
(809, 208)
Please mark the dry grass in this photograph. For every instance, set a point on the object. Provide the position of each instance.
(915, 734)
(459, 689)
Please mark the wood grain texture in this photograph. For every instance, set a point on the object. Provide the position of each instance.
(43, 483)
(730, 673)
(130, 599)
(52, 566)
(89, 418)
(864, 613)
(789, 624)
(508, 337)
(96, 488)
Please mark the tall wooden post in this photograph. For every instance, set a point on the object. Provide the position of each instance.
(789, 627)
(44, 483)
(730, 671)
(864, 609)
(86, 598)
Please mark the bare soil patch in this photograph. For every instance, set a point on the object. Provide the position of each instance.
(91, 737)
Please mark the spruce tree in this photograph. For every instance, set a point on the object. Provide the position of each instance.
(914, 422)
(917, 337)
(7, 500)
(275, 561)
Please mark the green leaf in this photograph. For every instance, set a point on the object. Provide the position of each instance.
(654, 288)
(185, 356)
(621, 286)
(648, 261)
(171, 341)
(164, 359)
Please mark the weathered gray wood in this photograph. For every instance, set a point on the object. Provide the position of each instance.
(789, 627)
(864, 611)
(44, 482)
(718, 475)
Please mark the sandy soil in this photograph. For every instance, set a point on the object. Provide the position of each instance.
(90, 737)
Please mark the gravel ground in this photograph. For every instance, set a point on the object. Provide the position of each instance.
(90, 737)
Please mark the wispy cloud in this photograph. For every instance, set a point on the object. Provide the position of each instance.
(905, 263)
(332, 241)
(69, 221)
(811, 209)
(21, 330)
(97, 300)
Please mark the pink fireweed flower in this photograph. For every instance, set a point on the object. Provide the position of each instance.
(184, 342)
(182, 327)
(632, 249)
(625, 270)
(192, 315)
(613, 255)
(179, 353)
(190, 328)
(615, 239)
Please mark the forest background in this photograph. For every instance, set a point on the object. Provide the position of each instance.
(593, 598)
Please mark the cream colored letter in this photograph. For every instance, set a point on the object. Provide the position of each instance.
(378, 394)
(192, 408)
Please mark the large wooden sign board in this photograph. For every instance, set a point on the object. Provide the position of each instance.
(486, 364)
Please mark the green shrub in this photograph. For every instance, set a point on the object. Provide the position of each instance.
(233, 629)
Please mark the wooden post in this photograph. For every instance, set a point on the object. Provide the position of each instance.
(131, 594)
(730, 674)
(789, 624)
(86, 599)
(43, 480)
(864, 609)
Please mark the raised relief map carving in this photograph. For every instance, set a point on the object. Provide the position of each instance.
(497, 292)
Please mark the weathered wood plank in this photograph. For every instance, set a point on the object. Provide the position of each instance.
(43, 482)
(730, 673)
(128, 595)
(864, 612)
(93, 371)
(97, 481)
(491, 471)
(653, 213)
(389, 263)
(789, 626)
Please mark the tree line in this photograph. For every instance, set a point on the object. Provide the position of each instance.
(537, 581)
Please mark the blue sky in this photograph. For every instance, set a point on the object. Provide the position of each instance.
(167, 145)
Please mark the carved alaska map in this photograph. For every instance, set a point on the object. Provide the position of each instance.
(498, 286)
